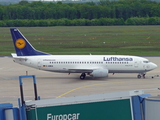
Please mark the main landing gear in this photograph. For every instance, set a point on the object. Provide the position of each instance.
(141, 75)
(83, 75)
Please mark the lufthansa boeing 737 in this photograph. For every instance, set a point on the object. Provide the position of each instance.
(92, 65)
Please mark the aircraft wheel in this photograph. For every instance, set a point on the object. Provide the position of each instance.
(138, 76)
(83, 75)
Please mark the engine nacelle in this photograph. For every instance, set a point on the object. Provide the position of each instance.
(100, 73)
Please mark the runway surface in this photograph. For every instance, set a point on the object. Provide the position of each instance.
(54, 85)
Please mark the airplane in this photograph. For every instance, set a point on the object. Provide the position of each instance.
(93, 65)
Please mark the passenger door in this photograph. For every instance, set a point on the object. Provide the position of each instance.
(39, 64)
(136, 64)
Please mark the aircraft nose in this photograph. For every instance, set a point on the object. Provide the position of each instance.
(154, 65)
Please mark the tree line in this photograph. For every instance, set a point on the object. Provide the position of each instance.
(105, 12)
(81, 22)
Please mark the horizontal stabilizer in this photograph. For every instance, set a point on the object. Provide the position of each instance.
(18, 57)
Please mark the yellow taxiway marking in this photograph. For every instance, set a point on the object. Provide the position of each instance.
(86, 87)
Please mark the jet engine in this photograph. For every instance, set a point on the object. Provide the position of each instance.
(99, 73)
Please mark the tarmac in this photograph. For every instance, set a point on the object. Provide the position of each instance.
(55, 85)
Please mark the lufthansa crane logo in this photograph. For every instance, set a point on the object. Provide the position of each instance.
(20, 43)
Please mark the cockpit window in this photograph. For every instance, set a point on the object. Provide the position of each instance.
(146, 61)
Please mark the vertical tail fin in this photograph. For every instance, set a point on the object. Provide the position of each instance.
(22, 45)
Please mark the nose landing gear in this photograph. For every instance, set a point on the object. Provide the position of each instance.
(141, 75)
(138, 76)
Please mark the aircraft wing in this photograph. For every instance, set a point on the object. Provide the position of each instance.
(80, 70)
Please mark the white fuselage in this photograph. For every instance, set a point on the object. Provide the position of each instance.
(80, 63)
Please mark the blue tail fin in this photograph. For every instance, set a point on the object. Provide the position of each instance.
(22, 46)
